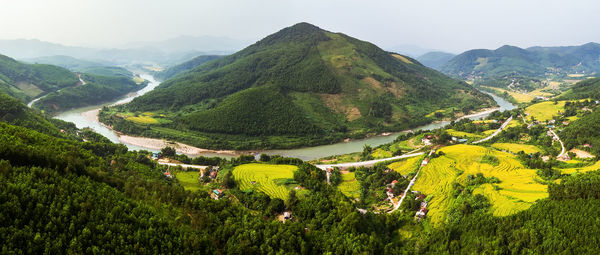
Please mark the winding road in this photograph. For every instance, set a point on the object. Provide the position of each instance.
(562, 145)
(495, 133)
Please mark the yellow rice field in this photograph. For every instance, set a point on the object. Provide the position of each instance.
(584, 169)
(516, 191)
(406, 166)
(545, 110)
(515, 147)
(265, 178)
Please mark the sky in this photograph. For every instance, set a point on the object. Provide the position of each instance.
(448, 25)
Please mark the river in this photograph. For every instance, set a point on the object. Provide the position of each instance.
(309, 153)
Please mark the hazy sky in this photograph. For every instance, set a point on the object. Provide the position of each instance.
(451, 25)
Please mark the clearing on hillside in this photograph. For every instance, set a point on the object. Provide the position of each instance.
(545, 110)
(274, 180)
(516, 191)
(349, 186)
(188, 179)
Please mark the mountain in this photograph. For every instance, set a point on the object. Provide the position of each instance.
(31, 49)
(409, 50)
(185, 66)
(435, 59)
(82, 66)
(27, 81)
(300, 86)
(510, 62)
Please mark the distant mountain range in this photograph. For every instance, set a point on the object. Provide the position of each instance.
(300, 86)
(435, 59)
(165, 53)
(535, 62)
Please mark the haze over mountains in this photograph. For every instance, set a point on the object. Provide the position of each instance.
(167, 52)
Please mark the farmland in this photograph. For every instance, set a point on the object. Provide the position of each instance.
(273, 180)
(406, 166)
(516, 191)
(595, 166)
(349, 186)
(545, 110)
(188, 179)
(515, 147)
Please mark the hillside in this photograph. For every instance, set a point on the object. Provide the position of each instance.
(435, 59)
(186, 66)
(300, 86)
(82, 66)
(527, 66)
(96, 90)
(25, 81)
(589, 88)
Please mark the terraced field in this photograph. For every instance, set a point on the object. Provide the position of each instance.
(381, 153)
(406, 166)
(515, 147)
(595, 166)
(266, 178)
(453, 132)
(517, 190)
(349, 186)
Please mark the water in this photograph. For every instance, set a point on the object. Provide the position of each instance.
(308, 153)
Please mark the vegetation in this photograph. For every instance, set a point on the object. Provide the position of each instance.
(185, 66)
(274, 180)
(98, 89)
(299, 86)
(25, 82)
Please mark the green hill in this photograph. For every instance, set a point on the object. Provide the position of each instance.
(589, 88)
(185, 66)
(524, 67)
(82, 66)
(300, 86)
(25, 81)
(435, 59)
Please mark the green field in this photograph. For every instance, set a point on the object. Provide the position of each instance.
(349, 186)
(453, 132)
(270, 179)
(514, 147)
(189, 180)
(517, 190)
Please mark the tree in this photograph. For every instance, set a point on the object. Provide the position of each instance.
(276, 206)
(292, 198)
(228, 180)
(167, 151)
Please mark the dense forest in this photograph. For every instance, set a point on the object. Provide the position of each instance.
(185, 66)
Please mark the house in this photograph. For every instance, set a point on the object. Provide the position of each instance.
(394, 183)
(168, 174)
(565, 123)
(426, 141)
(564, 157)
(155, 156)
(287, 215)
(216, 194)
(587, 145)
(549, 133)
(462, 140)
(425, 162)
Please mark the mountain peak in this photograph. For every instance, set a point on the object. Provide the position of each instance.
(298, 32)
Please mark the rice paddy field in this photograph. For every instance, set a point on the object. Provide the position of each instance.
(406, 166)
(453, 132)
(349, 186)
(515, 147)
(516, 191)
(595, 166)
(545, 110)
(273, 180)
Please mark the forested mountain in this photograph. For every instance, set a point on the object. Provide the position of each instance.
(185, 66)
(302, 85)
(435, 59)
(533, 63)
(82, 66)
(25, 81)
